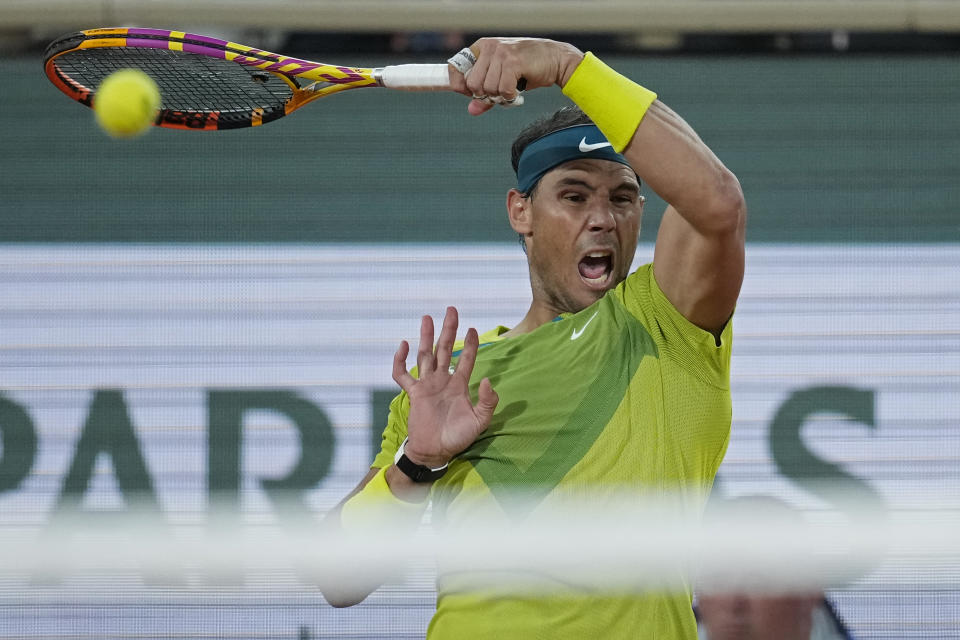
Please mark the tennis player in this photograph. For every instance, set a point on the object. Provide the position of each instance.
(612, 380)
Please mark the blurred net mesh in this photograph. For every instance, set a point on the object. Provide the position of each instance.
(81, 579)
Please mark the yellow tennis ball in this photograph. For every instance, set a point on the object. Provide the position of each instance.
(126, 103)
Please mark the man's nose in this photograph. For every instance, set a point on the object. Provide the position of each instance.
(602, 217)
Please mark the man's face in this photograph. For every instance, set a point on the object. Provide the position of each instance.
(748, 617)
(583, 222)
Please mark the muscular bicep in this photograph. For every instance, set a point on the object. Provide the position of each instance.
(700, 271)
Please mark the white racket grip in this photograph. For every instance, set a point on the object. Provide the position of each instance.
(424, 77)
(416, 77)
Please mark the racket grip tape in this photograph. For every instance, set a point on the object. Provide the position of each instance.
(424, 77)
(414, 77)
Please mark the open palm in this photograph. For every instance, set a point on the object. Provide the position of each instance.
(443, 420)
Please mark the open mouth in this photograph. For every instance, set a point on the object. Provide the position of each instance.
(595, 268)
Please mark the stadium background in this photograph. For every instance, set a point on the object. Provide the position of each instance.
(187, 315)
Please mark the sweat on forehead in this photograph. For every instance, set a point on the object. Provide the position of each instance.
(562, 145)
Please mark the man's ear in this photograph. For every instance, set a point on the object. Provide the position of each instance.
(518, 210)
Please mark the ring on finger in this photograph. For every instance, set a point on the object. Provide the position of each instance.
(490, 99)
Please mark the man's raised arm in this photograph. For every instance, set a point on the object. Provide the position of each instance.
(699, 256)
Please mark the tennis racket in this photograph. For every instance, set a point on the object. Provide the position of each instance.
(210, 84)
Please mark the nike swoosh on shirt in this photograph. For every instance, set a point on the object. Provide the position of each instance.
(579, 332)
(584, 146)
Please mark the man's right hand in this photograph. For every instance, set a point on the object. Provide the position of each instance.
(503, 62)
(443, 420)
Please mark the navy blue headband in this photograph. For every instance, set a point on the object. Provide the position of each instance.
(563, 145)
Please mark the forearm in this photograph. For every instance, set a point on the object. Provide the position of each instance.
(662, 148)
(377, 506)
(441, 421)
(671, 158)
(405, 489)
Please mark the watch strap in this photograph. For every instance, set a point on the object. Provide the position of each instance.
(414, 471)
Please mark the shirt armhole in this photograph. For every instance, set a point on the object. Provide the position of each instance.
(693, 348)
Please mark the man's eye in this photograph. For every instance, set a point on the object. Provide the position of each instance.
(574, 197)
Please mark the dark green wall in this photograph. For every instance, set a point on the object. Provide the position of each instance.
(861, 149)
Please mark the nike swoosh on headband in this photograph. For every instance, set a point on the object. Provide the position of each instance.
(584, 147)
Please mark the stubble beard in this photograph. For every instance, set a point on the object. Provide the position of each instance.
(554, 295)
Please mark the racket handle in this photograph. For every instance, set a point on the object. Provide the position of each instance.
(422, 77)
(414, 77)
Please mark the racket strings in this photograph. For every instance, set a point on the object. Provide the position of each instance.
(188, 82)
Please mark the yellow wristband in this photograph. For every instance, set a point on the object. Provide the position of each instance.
(376, 506)
(615, 103)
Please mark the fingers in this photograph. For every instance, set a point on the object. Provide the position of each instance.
(426, 362)
(458, 83)
(509, 88)
(400, 374)
(478, 106)
(502, 80)
(468, 355)
(463, 60)
(429, 360)
(476, 74)
(491, 79)
(483, 82)
(460, 65)
(448, 335)
(487, 400)
(489, 71)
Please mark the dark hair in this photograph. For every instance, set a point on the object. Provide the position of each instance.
(561, 119)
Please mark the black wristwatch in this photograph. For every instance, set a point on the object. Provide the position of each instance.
(414, 471)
